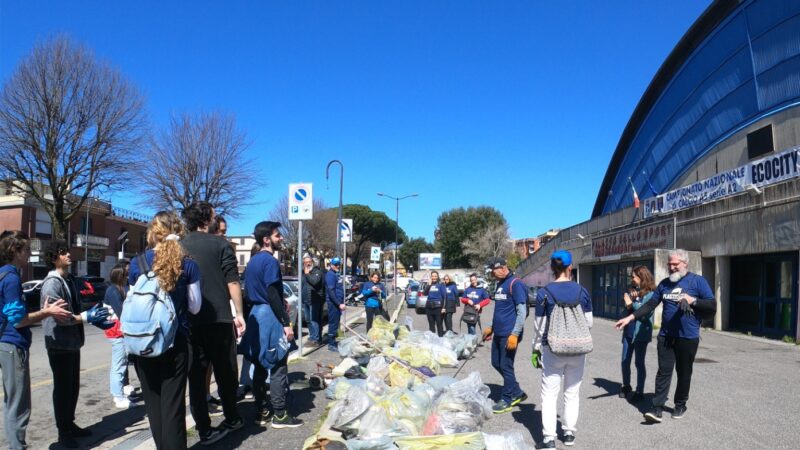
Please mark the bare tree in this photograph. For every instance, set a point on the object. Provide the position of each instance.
(70, 126)
(488, 243)
(199, 157)
(318, 233)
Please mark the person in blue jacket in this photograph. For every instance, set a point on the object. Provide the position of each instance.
(374, 292)
(510, 309)
(687, 299)
(434, 306)
(450, 301)
(637, 334)
(16, 336)
(334, 295)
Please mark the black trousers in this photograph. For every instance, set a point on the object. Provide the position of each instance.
(372, 312)
(213, 344)
(164, 389)
(66, 367)
(448, 321)
(435, 321)
(675, 353)
(278, 385)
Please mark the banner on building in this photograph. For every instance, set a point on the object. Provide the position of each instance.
(761, 172)
(639, 239)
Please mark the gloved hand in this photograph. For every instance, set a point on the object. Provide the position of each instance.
(97, 315)
(686, 307)
(14, 312)
(536, 359)
(512, 342)
(487, 333)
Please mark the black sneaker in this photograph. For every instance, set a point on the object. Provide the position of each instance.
(547, 444)
(625, 392)
(519, 399)
(214, 410)
(213, 435)
(653, 416)
(569, 438)
(232, 425)
(76, 431)
(286, 421)
(501, 407)
(67, 441)
(263, 417)
(679, 411)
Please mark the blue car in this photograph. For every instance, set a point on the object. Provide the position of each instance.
(412, 293)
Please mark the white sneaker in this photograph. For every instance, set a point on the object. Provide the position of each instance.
(128, 390)
(123, 403)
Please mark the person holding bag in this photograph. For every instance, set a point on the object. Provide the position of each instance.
(434, 308)
(475, 299)
(637, 335)
(564, 312)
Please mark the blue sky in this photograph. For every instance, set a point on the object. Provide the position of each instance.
(517, 105)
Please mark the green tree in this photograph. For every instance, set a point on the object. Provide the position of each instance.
(409, 252)
(369, 226)
(453, 225)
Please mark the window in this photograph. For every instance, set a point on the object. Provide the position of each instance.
(241, 260)
(759, 142)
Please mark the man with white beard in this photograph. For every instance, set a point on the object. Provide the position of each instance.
(687, 300)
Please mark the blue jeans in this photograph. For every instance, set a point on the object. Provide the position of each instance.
(503, 362)
(634, 350)
(15, 365)
(119, 367)
(313, 313)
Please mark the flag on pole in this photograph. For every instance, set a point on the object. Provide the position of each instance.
(635, 195)
(649, 183)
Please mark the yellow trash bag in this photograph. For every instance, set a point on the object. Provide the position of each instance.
(415, 356)
(461, 441)
(399, 376)
(382, 333)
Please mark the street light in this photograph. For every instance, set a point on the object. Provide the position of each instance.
(397, 227)
(339, 218)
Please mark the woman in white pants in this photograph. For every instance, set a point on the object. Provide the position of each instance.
(554, 367)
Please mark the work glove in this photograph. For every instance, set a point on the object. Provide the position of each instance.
(512, 342)
(487, 333)
(686, 307)
(14, 312)
(536, 359)
(97, 315)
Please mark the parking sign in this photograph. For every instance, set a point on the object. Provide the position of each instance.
(300, 201)
(375, 254)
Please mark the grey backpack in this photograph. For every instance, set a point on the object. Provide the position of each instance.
(567, 331)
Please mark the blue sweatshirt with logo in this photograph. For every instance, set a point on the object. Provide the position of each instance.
(435, 293)
(506, 299)
(674, 322)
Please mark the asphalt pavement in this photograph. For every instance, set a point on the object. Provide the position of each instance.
(744, 395)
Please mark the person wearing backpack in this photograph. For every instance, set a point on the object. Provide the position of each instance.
(63, 340)
(163, 377)
(510, 310)
(450, 302)
(16, 336)
(475, 299)
(687, 300)
(638, 334)
(563, 318)
(434, 307)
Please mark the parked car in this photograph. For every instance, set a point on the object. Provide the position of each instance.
(412, 293)
(422, 299)
(32, 290)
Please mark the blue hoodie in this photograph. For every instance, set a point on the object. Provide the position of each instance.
(373, 298)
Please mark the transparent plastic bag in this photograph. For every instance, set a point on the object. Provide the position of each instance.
(408, 408)
(376, 422)
(351, 407)
(352, 347)
(379, 443)
(378, 367)
(399, 376)
(463, 406)
(382, 333)
(511, 440)
(462, 441)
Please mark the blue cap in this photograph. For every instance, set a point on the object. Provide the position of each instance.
(336, 262)
(563, 255)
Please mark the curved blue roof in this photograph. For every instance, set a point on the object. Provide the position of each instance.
(739, 63)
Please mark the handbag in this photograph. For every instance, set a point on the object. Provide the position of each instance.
(470, 315)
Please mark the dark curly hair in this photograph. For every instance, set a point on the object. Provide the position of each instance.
(11, 243)
(197, 215)
(53, 251)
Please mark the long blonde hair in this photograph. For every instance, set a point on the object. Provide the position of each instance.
(169, 254)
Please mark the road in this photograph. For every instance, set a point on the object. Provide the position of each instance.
(744, 395)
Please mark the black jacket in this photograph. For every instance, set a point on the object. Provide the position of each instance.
(314, 286)
(218, 267)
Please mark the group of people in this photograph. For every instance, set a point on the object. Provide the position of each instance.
(687, 300)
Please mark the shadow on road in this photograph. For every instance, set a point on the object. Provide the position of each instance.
(110, 427)
(612, 388)
(531, 419)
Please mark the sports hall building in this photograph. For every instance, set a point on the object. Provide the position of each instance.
(713, 151)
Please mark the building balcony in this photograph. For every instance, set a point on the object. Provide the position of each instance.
(96, 242)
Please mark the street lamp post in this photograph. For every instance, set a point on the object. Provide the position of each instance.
(396, 227)
(339, 218)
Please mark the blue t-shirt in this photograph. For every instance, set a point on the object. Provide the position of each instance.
(373, 298)
(476, 294)
(568, 292)
(436, 294)
(190, 275)
(674, 323)
(262, 271)
(11, 292)
(506, 298)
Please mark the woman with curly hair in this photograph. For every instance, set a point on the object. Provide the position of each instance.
(163, 378)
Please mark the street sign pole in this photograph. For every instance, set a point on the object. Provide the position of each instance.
(301, 207)
(300, 286)
(344, 283)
